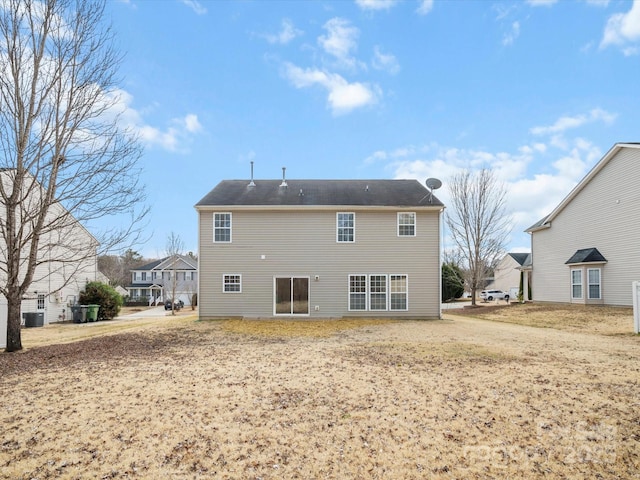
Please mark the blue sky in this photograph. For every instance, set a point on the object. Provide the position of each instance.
(538, 91)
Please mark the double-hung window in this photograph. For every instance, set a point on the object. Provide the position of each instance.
(576, 284)
(232, 283)
(593, 279)
(41, 299)
(406, 224)
(398, 287)
(378, 292)
(345, 227)
(357, 292)
(222, 227)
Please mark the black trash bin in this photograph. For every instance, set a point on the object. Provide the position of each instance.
(77, 313)
(33, 319)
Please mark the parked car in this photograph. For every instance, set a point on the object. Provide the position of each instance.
(489, 295)
(168, 305)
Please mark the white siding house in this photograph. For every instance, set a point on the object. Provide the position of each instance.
(67, 260)
(586, 250)
(509, 271)
(319, 248)
(154, 282)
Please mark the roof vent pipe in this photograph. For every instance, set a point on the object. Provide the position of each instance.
(284, 180)
(252, 183)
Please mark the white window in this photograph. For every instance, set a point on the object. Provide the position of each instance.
(222, 227)
(144, 276)
(232, 283)
(41, 302)
(153, 275)
(377, 292)
(576, 284)
(398, 292)
(345, 227)
(593, 279)
(406, 224)
(357, 292)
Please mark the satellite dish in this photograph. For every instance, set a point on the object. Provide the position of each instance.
(433, 183)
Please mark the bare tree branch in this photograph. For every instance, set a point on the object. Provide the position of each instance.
(478, 223)
(65, 159)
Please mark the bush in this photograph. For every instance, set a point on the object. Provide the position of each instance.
(452, 282)
(98, 293)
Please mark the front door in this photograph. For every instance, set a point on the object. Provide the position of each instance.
(291, 296)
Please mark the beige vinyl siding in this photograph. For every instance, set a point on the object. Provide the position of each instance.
(602, 215)
(303, 243)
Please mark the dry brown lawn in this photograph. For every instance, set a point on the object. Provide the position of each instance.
(456, 398)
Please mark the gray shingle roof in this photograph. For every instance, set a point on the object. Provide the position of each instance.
(586, 255)
(521, 258)
(399, 193)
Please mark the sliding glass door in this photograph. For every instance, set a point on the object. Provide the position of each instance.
(291, 296)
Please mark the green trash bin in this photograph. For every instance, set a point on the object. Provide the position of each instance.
(92, 313)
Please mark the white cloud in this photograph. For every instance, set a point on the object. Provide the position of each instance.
(376, 4)
(623, 29)
(530, 195)
(340, 41)
(173, 138)
(287, 33)
(385, 61)
(342, 97)
(425, 7)
(511, 36)
(566, 122)
(196, 6)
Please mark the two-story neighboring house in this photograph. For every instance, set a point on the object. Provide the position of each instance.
(319, 248)
(586, 250)
(67, 260)
(155, 281)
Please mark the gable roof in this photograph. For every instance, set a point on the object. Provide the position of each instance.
(397, 193)
(586, 255)
(163, 263)
(521, 258)
(546, 221)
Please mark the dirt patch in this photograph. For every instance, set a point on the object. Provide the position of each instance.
(456, 398)
(576, 318)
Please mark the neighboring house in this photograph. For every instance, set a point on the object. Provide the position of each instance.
(507, 273)
(586, 250)
(319, 248)
(68, 261)
(154, 282)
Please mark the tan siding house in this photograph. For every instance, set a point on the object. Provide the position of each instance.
(586, 250)
(507, 274)
(319, 249)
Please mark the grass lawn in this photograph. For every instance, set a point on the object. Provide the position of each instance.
(461, 397)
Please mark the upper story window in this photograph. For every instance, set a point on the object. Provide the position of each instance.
(345, 227)
(222, 227)
(144, 276)
(406, 224)
(154, 275)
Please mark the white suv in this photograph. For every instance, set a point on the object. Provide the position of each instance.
(489, 295)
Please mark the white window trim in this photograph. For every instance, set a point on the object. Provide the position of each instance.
(224, 283)
(386, 292)
(581, 284)
(406, 292)
(365, 293)
(230, 227)
(599, 270)
(415, 224)
(338, 227)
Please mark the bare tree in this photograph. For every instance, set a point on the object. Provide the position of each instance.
(175, 247)
(65, 159)
(478, 223)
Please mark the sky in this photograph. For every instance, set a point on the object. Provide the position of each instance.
(538, 91)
